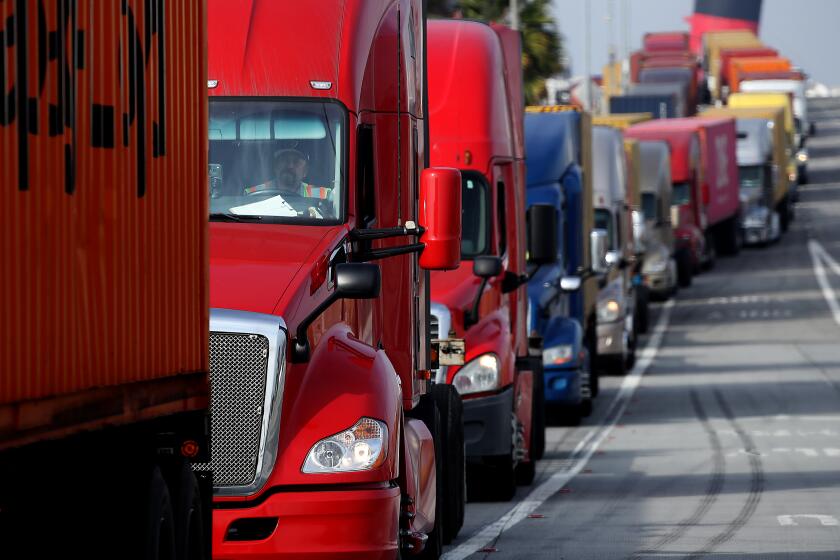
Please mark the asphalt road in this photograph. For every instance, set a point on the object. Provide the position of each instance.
(724, 442)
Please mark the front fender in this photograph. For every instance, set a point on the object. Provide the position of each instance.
(344, 380)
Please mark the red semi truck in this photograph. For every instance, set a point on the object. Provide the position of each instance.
(328, 439)
(104, 389)
(706, 189)
(484, 302)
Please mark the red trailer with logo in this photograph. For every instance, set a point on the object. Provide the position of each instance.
(328, 439)
(480, 131)
(103, 361)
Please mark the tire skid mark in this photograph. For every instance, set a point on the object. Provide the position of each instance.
(756, 484)
(713, 489)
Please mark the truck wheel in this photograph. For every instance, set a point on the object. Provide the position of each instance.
(537, 444)
(711, 252)
(159, 522)
(732, 240)
(454, 470)
(642, 320)
(784, 214)
(630, 358)
(591, 343)
(190, 541)
(684, 273)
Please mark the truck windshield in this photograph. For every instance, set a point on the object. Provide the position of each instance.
(681, 194)
(649, 206)
(475, 215)
(751, 177)
(276, 161)
(604, 221)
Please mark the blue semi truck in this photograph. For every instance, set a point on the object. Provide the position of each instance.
(562, 296)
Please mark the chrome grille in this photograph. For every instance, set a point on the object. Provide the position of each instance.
(238, 371)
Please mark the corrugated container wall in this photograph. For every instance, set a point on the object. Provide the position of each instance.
(102, 194)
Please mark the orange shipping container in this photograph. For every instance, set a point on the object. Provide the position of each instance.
(739, 66)
(103, 196)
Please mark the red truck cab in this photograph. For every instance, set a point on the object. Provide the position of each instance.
(326, 442)
(687, 217)
(717, 211)
(479, 129)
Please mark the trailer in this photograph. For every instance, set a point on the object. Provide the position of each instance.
(105, 391)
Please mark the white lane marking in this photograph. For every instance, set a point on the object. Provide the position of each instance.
(580, 456)
(825, 520)
(818, 255)
(832, 452)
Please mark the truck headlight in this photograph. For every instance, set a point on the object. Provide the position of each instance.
(802, 156)
(609, 310)
(557, 355)
(360, 448)
(479, 375)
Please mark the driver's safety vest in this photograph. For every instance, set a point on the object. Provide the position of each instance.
(307, 190)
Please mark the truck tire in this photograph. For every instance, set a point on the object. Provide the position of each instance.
(784, 214)
(711, 252)
(731, 239)
(642, 320)
(591, 343)
(190, 543)
(684, 272)
(159, 521)
(454, 470)
(537, 443)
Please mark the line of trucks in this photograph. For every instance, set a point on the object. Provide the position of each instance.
(407, 274)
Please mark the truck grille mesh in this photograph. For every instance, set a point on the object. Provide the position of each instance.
(238, 368)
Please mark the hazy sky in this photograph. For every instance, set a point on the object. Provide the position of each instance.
(806, 31)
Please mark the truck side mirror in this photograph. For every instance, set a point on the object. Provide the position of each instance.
(357, 281)
(675, 217)
(440, 216)
(570, 283)
(598, 247)
(542, 234)
(352, 281)
(487, 266)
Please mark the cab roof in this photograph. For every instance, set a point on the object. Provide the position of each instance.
(331, 42)
(468, 99)
(552, 142)
(682, 138)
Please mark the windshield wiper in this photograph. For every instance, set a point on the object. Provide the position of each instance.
(228, 217)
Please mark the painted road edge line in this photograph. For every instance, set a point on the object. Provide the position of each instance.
(817, 256)
(580, 456)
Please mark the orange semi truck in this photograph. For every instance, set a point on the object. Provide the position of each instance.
(104, 326)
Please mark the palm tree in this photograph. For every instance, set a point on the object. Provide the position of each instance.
(542, 46)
